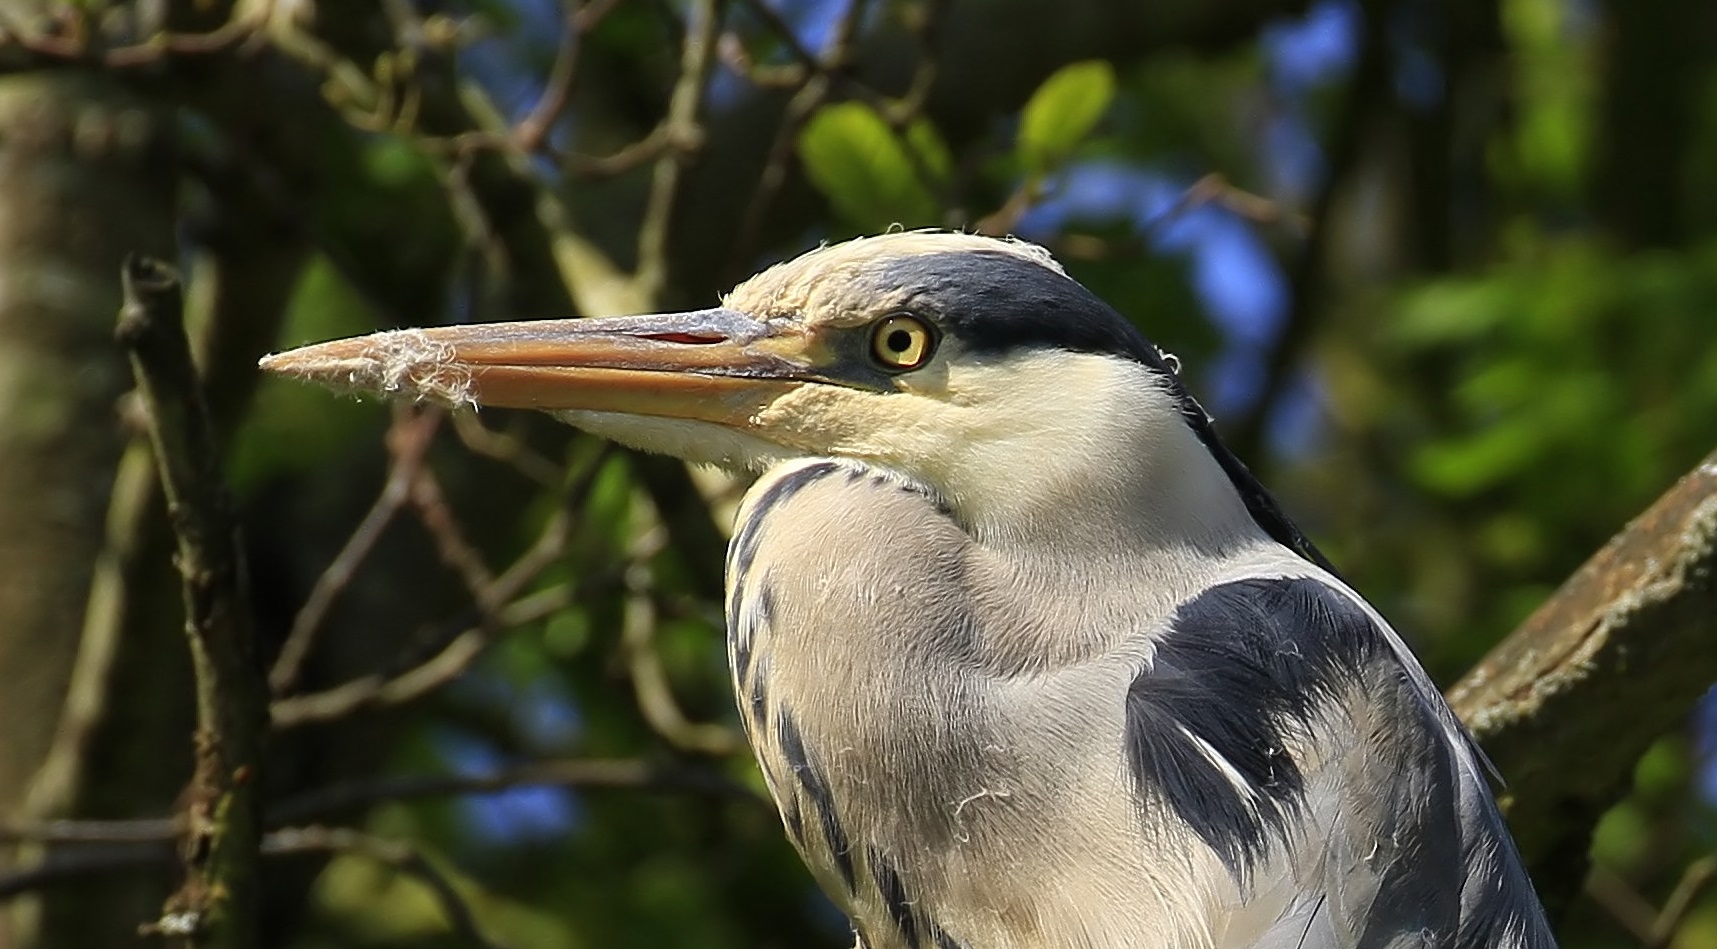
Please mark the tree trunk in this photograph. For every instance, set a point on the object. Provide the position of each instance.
(85, 177)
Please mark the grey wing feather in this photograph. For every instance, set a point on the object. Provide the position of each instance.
(1395, 840)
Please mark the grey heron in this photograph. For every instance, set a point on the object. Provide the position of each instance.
(1027, 658)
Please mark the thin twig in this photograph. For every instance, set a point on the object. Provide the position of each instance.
(1624, 904)
(81, 45)
(386, 691)
(408, 441)
(1695, 880)
(229, 35)
(737, 58)
(655, 694)
(650, 680)
(455, 551)
(482, 240)
(683, 130)
(506, 448)
(651, 147)
(927, 31)
(1090, 247)
(1002, 221)
(532, 131)
(335, 800)
(75, 866)
(72, 866)
(630, 774)
(1654, 928)
(1214, 188)
(773, 177)
(811, 96)
(223, 821)
(771, 19)
(456, 655)
(135, 831)
(655, 144)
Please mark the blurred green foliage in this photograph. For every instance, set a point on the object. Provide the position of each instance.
(1488, 373)
(1062, 112)
(874, 176)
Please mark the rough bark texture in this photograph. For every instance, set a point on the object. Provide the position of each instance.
(1616, 658)
(217, 905)
(82, 170)
(123, 748)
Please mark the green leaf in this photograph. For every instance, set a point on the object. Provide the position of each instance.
(872, 176)
(1063, 111)
(932, 153)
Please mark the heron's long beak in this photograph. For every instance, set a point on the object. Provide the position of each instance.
(715, 365)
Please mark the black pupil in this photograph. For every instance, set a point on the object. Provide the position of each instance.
(899, 341)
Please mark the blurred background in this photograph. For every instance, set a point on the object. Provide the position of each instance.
(1446, 273)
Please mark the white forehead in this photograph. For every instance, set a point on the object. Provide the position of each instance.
(794, 284)
(912, 243)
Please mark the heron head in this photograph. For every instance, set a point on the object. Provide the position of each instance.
(973, 365)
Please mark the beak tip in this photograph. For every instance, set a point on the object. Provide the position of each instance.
(277, 363)
(397, 364)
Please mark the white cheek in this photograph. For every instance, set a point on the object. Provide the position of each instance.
(1049, 438)
(1051, 422)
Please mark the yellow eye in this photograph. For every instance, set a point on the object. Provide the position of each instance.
(901, 342)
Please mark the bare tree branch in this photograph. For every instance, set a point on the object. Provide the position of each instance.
(68, 867)
(75, 866)
(1624, 903)
(507, 449)
(73, 38)
(631, 774)
(532, 131)
(408, 441)
(1366, 98)
(1653, 927)
(223, 821)
(385, 691)
(1215, 189)
(455, 551)
(1614, 659)
(134, 831)
(336, 800)
(1698, 878)
(456, 655)
(684, 132)
(650, 681)
(927, 20)
(818, 87)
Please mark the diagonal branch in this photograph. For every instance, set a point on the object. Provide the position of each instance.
(818, 87)
(502, 604)
(408, 439)
(1613, 660)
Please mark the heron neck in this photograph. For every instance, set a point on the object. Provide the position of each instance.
(1122, 545)
(1153, 492)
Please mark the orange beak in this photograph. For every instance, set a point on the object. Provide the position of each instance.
(714, 365)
